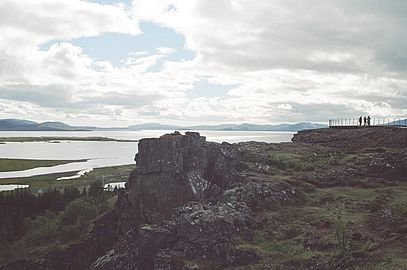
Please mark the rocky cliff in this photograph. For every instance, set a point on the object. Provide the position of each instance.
(171, 171)
(186, 201)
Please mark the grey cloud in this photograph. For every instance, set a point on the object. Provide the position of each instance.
(48, 96)
(59, 96)
(64, 19)
(323, 112)
(131, 101)
(282, 34)
(149, 113)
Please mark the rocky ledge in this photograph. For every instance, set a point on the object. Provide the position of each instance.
(355, 137)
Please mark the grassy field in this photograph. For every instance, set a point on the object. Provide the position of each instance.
(294, 234)
(56, 139)
(8, 165)
(41, 182)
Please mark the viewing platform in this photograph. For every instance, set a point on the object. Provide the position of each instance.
(373, 122)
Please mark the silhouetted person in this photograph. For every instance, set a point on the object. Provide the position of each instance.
(360, 121)
(368, 120)
(364, 121)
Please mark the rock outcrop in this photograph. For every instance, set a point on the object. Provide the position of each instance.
(171, 171)
(356, 137)
(187, 200)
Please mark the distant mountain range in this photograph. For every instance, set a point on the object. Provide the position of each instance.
(233, 127)
(400, 122)
(26, 125)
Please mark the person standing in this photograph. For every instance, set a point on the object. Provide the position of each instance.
(360, 121)
(368, 120)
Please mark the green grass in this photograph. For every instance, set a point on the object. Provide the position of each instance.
(40, 182)
(8, 165)
(296, 162)
(389, 265)
(57, 139)
(281, 238)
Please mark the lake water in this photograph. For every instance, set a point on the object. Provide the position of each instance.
(103, 154)
(12, 187)
(114, 185)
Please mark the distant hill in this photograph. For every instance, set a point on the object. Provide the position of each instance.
(14, 123)
(26, 125)
(232, 127)
(401, 122)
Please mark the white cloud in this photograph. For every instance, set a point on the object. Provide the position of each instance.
(285, 60)
(42, 20)
(285, 106)
(279, 52)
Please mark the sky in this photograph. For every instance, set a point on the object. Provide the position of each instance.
(117, 63)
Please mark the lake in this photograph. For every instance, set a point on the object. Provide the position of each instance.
(102, 154)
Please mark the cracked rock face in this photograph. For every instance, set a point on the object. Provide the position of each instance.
(171, 171)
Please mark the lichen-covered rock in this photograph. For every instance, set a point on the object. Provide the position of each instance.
(203, 230)
(259, 194)
(196, 230)
(221, 164)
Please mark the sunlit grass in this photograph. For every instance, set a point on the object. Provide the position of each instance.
(8, 165)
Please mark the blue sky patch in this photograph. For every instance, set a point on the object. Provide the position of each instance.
(115, 47)
(208, 90)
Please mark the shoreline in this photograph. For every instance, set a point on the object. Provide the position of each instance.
(49, 181)
(14, 165)
(56, 139)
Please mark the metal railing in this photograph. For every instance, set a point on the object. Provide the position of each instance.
(374, 121)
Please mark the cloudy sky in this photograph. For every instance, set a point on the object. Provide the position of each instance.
(115, 63)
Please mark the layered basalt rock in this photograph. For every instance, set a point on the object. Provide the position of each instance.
(171, 171)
